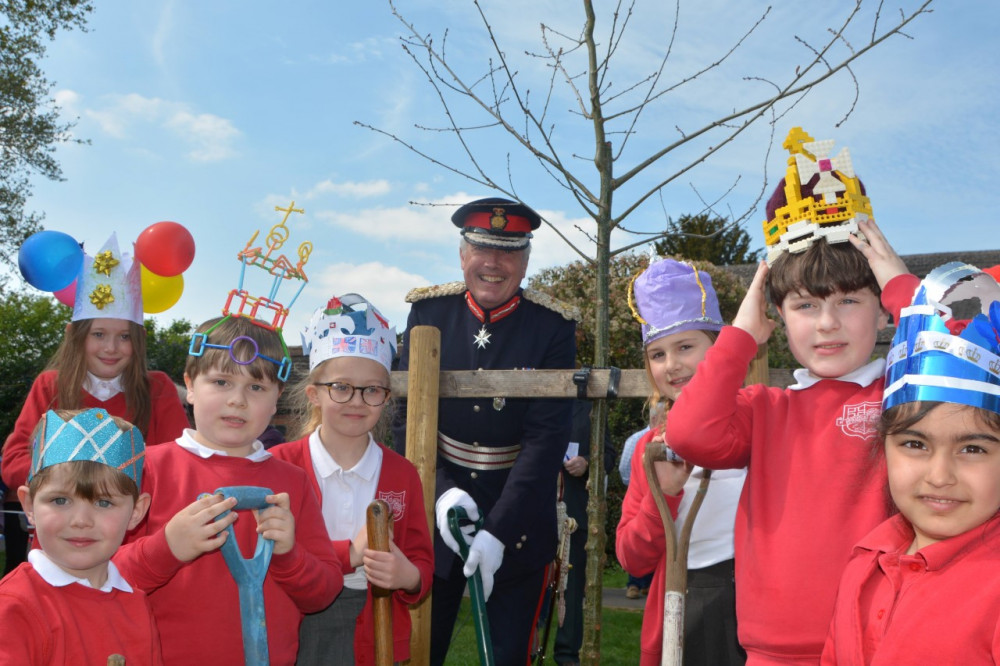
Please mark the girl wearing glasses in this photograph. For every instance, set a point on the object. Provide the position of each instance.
(350, 347)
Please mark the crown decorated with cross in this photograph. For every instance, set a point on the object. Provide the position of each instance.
(928, 362)
(90, 435)
(803, 219)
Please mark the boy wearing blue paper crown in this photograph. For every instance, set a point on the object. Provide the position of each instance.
(236, 369)
(924, 586)
(350, 347)
(809, 494)
(68, 603)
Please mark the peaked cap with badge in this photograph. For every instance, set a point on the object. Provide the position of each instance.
(495, 222)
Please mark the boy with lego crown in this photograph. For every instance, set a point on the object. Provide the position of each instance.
(925, 585)
(235, 372)
(809, 494)
(69, 603)
(343, 402)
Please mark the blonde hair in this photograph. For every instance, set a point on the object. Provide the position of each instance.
(309, 416)
(655, 399)
(70, 364)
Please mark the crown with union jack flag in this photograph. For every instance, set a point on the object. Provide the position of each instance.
(349, 325)
(89, 435)
(928, 362)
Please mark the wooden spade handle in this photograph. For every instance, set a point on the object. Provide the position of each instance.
(379, 520)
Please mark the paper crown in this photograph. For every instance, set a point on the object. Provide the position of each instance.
(802, 220)
(349, 326)
(927, 362)
(672, 297)
(109, 285)
(496, 223)
(90, 435)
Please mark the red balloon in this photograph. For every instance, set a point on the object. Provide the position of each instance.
(165, 248)
(67, 295)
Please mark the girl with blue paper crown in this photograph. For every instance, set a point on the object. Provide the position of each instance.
(679, 313)
(100, 363)
(350, 347)
(69, 604)
(924, 586)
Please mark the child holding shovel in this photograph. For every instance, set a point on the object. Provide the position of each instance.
(680, 318)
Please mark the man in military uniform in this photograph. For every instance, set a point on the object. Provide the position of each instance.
(498, 458)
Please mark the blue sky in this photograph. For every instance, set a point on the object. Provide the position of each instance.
(212, 113)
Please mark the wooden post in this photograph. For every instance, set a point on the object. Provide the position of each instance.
(421, 449)
(758, 372)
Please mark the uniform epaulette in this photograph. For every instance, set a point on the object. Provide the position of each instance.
(434, 291)
(570, 312)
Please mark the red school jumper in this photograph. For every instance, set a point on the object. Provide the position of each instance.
(811, 493)
(640, 544)
(73, 624)
(940, 605)
(196, 604)
(399, 485)
(167, 420)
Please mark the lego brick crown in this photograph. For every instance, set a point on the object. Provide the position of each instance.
(804, 218)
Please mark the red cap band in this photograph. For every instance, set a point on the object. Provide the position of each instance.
(498, 222)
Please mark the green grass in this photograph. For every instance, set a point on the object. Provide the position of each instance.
(619, 631)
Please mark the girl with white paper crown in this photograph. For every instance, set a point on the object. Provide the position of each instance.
(350, 347)
(924, 586)
(100, 363)
(679, 313)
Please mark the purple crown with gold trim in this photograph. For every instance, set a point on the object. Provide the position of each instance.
(928, 362)
(90, 435)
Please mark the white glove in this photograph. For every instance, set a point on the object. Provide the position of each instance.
(455, 497)
(486, 552)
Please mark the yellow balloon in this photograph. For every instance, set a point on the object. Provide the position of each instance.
(159, 293)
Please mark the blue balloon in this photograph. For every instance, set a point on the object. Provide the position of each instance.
(50, 260)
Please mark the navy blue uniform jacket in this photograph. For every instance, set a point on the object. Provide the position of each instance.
(519, 503)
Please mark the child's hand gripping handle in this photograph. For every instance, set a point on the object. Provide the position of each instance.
(249, 573)
(456, 517)
(379, 520)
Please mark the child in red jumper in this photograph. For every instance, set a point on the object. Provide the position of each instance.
(925, 585)
(101, 362)
(809, 493)
(680, 318)
(68, 604)
(233, 384)
(350, 349)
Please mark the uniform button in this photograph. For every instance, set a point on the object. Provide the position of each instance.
(475, 408)
(524, 537)
(475, 443)
(914, 566)
(517, 545)
(474, 475)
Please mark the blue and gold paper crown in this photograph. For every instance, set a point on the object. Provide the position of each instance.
(90, 435)
(349, 326)
(929, 363)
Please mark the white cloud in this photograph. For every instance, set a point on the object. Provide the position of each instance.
(371, 188)
(428, 223)
(209, 138)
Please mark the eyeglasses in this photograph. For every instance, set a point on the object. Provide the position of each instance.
(250, 352)
(342, 392)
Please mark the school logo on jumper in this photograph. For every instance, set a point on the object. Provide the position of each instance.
(860, 420)
(396, 502)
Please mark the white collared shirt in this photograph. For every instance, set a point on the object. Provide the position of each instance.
(863, 376)
(346, 494)
(189, 443)
(56, 576)
(102, 389)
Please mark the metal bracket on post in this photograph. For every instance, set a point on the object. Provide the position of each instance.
(581, 377)
(614, 377)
